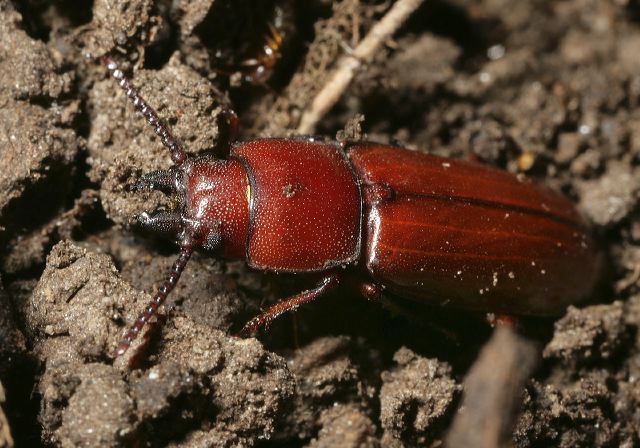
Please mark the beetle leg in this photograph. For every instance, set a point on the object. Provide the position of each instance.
(161, 180)
(163, 222)
(233, 123)
(291, 304)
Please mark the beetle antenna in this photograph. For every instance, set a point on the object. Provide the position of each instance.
(178, 154)
(158, 299)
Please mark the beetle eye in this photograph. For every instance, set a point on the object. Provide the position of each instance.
(213, 242)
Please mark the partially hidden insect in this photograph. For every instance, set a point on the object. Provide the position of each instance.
(260, 68)
(255, 62)
(427, 228)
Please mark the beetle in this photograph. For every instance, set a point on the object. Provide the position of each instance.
(431, 229)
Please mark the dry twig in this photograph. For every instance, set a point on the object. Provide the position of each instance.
(349, 64)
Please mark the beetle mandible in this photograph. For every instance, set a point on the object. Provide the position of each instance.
(427, 228)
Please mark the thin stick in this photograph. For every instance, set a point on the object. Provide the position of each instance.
(349, 64)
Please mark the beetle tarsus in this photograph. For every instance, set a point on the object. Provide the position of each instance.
(291, 304)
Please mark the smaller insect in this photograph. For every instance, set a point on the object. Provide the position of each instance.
(258, 45)
(434, 230)
(259, 69)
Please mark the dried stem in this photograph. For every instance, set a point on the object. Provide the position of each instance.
(349, 64)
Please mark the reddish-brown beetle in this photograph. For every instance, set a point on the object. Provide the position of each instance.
(424, 227)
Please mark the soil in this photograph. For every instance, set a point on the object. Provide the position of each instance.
(549, 89)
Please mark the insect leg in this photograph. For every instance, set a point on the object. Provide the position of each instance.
(291, 304)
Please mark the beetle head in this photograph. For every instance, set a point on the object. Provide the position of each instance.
(213, 205)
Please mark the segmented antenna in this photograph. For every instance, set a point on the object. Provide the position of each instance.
(158, 299)
(178, 154)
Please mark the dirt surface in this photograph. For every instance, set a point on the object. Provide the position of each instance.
(550, 89)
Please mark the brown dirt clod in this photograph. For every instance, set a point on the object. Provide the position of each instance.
(416, 398)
